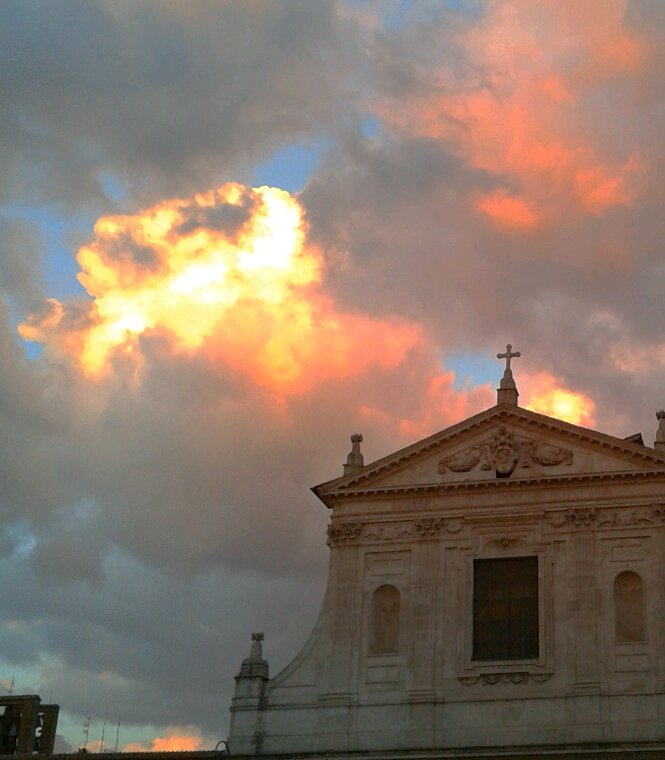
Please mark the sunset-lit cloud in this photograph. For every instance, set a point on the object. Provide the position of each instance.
(228, 273)
(546, 394)
(175, 739)
(519, 110)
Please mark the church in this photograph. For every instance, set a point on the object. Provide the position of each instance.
(494, 590)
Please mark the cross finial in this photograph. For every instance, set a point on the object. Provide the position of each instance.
(508, 355)
(507, 391)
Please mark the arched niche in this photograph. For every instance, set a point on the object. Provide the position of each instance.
(629, 610)
(384, 620)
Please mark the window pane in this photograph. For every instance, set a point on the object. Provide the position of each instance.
(505, 609)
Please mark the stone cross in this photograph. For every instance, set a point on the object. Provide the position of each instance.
(508, 355)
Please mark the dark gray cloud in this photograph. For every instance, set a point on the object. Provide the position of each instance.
(166, 99)
(21, 277)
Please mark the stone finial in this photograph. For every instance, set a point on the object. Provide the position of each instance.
(507, 392)
(355, 460)
(660, 434)
(255, 666)
(256, 651)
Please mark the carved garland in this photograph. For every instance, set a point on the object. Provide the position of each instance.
(490, 679)
(426, 527)
(503, 452)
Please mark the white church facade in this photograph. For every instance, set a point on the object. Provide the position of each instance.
(498, 587)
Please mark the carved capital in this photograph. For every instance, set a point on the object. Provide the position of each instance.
(342, 533)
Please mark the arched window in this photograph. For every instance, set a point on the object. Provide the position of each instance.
(629, 608)
(384, 621)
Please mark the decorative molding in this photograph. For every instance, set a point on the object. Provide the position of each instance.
(579, 517)
(615, 518)
(342, 533)
(424, 527)
(504, 542)
(429, 527)
(545, 481)
(396, 532)
(636, 516)
(503, 452)
(515, 677)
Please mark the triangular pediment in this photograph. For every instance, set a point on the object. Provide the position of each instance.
(504, 443)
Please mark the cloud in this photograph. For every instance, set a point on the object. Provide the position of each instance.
(175, 740)
(21, 276)
(545, 394)
(155, 492)
(509, 192)
(178, 427)
(161, 98)
(518, 110)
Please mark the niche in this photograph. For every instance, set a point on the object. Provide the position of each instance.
(629, 614)
(384, 621)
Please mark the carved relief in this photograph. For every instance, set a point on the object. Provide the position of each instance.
(429, 526)
(341, 533)
(388, 532)
(503, 452)
(577, 517)
(639, 516)
(424, 527)
(617, 518)
(454, 526)
(504, 542)
(490, 679)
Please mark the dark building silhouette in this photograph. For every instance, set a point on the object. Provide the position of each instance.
(26, 726)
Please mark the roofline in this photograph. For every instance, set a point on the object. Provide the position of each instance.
(336, 485)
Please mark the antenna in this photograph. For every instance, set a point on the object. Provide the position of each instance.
(101, 743)
(117, 735)
(11, 686)
(86, 732)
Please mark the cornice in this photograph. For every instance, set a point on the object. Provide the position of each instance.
(487, 485)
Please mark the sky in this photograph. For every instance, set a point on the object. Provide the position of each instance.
(233, 233)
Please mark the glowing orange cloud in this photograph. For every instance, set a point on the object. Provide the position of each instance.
(173, 741)
(523, 116)
(509, 212)
(227, 274)
(544, 393)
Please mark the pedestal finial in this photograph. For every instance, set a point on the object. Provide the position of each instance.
(355, 460)
(254, 666)
(660, 434)
(507, 392)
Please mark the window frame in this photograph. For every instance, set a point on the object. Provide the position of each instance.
(508, 638)
(511, 545)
